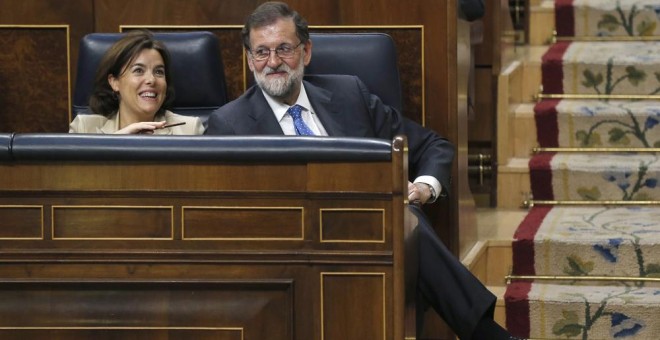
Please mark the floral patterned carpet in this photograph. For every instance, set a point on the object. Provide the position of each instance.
(613, 237)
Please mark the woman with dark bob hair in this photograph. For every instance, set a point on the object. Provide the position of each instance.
(132, 90)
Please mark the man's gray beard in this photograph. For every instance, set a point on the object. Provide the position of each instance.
(280, 88)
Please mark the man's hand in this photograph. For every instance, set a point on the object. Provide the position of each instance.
(419, 193)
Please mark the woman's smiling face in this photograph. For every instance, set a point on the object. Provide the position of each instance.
(141, 85)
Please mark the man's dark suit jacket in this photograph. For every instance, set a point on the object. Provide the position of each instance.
(345, 108)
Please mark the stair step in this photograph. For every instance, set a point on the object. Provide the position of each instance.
(597, 67)
(613, 241)
(595, 176)
(599, 18)
(553, 311)
(593, 123)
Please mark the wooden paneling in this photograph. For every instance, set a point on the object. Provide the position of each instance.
(352, 225)
(345, 289)
(18, 222)
(243, 223)
(40, 78)
(34, 71)
(111, 222)
(156, 309)
(206, 253)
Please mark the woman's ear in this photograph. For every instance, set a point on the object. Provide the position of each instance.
(113, 82)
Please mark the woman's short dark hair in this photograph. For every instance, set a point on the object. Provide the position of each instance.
(269, 12)
(104, 101)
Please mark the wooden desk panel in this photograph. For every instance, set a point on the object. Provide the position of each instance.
(202, 250)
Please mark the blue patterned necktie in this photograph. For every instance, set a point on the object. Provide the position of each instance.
(301, 128)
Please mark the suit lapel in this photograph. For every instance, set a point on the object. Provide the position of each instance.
(326, 110)
(262, 115)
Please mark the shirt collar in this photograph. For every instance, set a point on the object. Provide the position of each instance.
(279, 108)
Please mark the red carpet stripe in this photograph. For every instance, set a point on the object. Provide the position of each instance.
(517, 305)
(540, 176)
(523, 244)
(547, 129)
(552, 68)
(565, 18)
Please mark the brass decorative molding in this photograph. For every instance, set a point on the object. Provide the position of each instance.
(54, 217)
(531, 203)
(185, 210)
(607, 39)
(621, 149)
(345, 274)
(233, 329)
(540, 96)
(347, 240)
(510, 278)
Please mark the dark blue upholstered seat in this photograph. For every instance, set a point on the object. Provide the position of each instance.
(99, 147)
(5, 146)
(370, 56)
(197, 69)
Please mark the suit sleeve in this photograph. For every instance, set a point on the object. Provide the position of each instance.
(429, 153)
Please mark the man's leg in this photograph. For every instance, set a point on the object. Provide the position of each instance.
(447, 286)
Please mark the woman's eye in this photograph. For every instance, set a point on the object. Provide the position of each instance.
(138, 70)
(159, 72)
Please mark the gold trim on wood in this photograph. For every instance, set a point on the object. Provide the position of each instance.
(52, 221)
(40, 207)
(382, 240)
(382, 275)
(68, 56)
(183, 27)
(302, 224)
(205, 328)
(541, 96)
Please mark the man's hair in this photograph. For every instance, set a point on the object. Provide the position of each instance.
(104, 101)
(268, 13)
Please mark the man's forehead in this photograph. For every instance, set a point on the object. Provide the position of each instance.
(283, 29)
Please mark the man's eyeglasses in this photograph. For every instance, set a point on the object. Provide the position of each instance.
(284, 51)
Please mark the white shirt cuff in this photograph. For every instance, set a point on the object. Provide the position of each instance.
(430, 180)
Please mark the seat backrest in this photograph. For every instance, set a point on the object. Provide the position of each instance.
(370, 56)
(196, 63)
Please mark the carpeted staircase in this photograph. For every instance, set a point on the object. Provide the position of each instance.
(586, 258)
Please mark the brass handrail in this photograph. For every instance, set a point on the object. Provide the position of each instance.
(623, 38)
(541, 96)
(584, 149)
(531, 203)
(510, 278)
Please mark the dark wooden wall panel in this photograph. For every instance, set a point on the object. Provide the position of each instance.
(34, 76)
(37, 100)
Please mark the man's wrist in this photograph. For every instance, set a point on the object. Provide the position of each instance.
(432, 191)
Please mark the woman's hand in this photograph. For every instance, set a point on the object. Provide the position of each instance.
(142, 127)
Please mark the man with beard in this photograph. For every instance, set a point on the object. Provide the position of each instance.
(277, 43)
